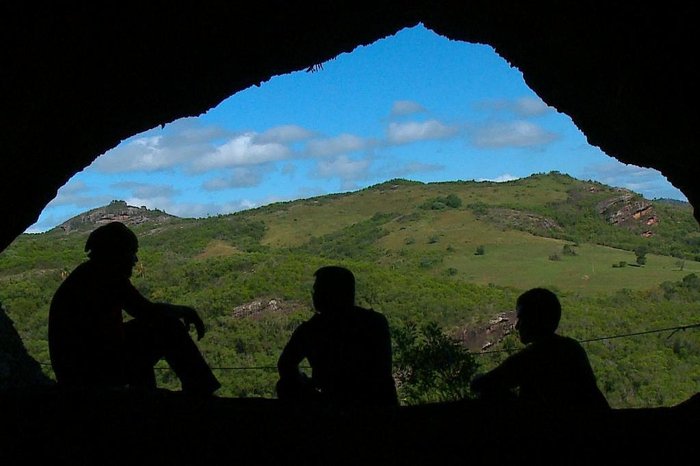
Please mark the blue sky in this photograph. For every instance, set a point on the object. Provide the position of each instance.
(414, 105)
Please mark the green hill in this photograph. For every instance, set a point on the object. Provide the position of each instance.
(454, 253)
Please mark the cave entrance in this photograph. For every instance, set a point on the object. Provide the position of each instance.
(447, 163)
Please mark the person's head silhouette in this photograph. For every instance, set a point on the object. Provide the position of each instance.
(334, 289)
(538, 311)
(114, 245)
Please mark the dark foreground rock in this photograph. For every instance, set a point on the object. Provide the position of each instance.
(49, 426)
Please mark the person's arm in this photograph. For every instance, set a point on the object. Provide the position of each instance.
(292, 355)
(502, 379)
(139, 307)
(385, 355)
(387, 386)
(188, 315)
(588, 386)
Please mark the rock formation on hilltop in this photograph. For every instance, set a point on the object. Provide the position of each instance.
(115, 211)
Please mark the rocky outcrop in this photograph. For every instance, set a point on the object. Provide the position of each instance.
(629, 210)
(116, 211)
(261, 306)
(520, 220)
(478, 339)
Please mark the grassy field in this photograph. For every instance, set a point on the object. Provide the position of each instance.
(527, 264)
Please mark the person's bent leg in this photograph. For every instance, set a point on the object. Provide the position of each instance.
(143, 350)
(184, 357)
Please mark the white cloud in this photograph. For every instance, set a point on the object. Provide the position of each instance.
(164, 203)
(192, 209)
(75, 193)
(241, 150)
(512, 134)
(161, 149)
(342, 144)
(406, 107)
(146, 190)
(523, 107)
(344, 168)
(646, 181)
(78, 194)
(501, 178)
(404, 133)
(284, 134)
(415, 167)
(530, 106)
(73, 187)
(141, 154)
(240, 178)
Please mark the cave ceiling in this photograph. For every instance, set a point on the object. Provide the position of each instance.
(77, 79)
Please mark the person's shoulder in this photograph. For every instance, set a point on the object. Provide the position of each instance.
(369, 312)
(568, 342)
(568, 348)
(86, 267)
(315, 321)
(372, 316)
(79, 274)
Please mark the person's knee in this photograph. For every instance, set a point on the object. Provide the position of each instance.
(171, 327)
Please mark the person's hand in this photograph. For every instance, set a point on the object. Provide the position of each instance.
(190, 317)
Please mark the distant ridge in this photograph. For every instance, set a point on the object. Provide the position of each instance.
(411, 217)
(668, 200)
(115, 211)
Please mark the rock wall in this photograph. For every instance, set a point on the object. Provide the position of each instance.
(17, 368)
(79, 78)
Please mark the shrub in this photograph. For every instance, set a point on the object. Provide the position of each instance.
(567, 250)
(430, 366)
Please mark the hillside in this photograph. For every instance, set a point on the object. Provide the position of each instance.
(550, 230)
(454, 253)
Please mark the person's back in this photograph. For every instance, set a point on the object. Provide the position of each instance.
(555, 372)
(348, 348)
(552, 370)
(350, 354)
(85, 327)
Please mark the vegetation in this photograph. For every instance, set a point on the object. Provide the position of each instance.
(430, 366)
(425, 268)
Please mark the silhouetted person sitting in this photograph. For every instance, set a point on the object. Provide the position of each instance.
(91, 345)
(552, 370)
(348, 348)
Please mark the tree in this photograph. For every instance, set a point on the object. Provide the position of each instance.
(567, 250)
(641, 253)
(430, 366)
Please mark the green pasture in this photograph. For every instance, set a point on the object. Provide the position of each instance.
(526, 263)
